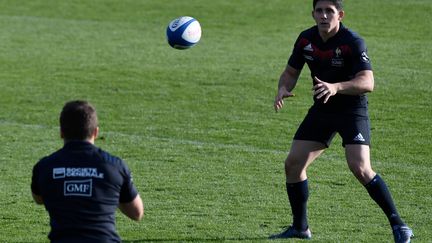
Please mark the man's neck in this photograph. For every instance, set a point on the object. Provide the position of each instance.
(89, 140)
(325, 36)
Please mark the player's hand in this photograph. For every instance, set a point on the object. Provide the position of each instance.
(282, 94)
(323, 90)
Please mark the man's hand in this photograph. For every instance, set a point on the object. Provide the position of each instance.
(287, 82)
(324, 90)
(283, 93)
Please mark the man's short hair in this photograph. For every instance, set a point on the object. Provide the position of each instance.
(338, 3)
(78, 120)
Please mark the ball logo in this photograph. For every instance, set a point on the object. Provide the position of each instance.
(175, 23)
(179, 22)
(183, 32)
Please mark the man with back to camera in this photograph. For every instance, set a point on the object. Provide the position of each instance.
(81, 185)
(342, 74)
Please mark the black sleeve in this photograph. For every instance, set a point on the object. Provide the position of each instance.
(296, 59)
(35, 179)
(128, 191)
(360, 57)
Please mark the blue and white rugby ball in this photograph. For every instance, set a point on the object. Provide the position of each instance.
(183, 32)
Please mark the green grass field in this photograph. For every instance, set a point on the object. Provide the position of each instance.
(197, 127)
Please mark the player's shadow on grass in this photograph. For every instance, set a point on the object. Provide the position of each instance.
(197, 240)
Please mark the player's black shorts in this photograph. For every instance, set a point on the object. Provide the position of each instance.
(322, 127)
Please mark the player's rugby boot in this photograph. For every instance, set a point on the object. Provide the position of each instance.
(402, 234)
(291, 232)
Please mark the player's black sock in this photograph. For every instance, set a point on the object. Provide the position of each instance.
(379, 192)
(298, 194)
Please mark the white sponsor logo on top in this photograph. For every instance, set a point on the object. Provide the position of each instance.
(81, 188)
(63, 172)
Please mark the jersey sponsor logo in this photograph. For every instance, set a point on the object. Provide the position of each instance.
(310, 58)
(81, 188)
(337, 60)
(59, 173)
(308, 48)
(63, 172)
(364, 57)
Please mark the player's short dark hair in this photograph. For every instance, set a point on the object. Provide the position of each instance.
(338, 3)
(78, 120)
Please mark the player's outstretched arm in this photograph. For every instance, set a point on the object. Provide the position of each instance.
(134, 209)
(287, 82)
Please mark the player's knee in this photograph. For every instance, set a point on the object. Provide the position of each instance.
(363, 174)
(293, 165)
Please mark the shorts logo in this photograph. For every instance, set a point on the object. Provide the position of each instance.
(82, 188)
(359, 138)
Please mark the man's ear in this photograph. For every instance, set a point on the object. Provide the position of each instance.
(341, 15)
(96, 132)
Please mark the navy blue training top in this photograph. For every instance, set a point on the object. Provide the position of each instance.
(82, 186)
(338, 59)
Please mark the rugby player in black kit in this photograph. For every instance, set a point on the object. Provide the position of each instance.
(342, 74)
(81, 185)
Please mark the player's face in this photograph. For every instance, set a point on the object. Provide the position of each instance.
(327, 17)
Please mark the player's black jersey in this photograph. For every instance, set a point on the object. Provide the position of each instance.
(81, 186)
(338, 59)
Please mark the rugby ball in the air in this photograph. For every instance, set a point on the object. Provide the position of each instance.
(183, 32)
